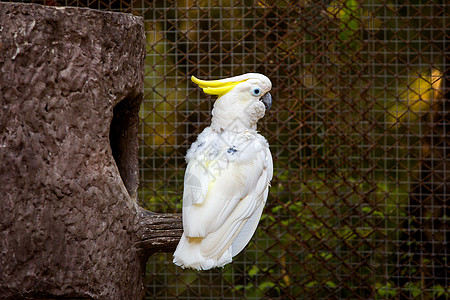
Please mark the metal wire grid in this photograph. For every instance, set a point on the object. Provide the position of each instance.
(358, 206)
(348, 134)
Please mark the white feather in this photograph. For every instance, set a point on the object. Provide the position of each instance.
(250, 225)
(224, 196)
(227, 180)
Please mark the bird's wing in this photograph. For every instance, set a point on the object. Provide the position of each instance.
(232, 203)
(252, 221)
(196, 183)
(240, 225)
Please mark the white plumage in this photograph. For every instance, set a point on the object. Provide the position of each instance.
(228, 174)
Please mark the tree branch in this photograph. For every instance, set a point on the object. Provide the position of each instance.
(159, 232)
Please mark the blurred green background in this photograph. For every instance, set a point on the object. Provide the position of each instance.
(358, 132)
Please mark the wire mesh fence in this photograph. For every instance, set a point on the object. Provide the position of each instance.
(358, 130)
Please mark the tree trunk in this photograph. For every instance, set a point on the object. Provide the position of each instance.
(70, 90)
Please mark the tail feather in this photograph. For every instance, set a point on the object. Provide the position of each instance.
(189, 255)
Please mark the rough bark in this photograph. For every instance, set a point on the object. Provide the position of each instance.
(70, 89)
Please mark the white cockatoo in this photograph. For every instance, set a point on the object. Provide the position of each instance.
(228, 174)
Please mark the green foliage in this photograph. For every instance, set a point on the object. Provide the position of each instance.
(338, 205)
(385, 290)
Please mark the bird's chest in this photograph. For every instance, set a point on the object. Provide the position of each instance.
(218, 152)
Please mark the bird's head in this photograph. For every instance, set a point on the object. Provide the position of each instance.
(242, 100)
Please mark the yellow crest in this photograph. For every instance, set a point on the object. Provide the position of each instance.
(215, 87)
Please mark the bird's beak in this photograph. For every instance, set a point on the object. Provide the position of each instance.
(267, 100)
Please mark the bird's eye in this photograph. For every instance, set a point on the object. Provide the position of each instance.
(256, 92)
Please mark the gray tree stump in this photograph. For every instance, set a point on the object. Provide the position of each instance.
(70, 90)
